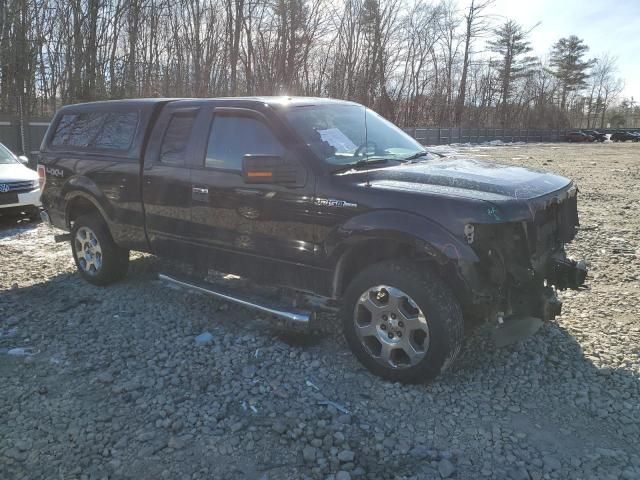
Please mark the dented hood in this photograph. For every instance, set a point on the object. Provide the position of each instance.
(469, 178)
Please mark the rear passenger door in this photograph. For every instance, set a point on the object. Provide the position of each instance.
(166, 182)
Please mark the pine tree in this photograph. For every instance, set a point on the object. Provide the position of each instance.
(569, 66)
(511, 44)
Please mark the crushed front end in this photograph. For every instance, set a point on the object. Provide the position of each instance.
(523, 263)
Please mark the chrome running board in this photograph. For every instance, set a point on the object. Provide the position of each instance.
(291, 315)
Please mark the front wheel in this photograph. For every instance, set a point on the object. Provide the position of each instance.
(402, 322)
(99, 260)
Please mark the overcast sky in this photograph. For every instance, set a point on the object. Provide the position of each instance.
(605, 26)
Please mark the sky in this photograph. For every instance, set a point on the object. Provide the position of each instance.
(606, 26)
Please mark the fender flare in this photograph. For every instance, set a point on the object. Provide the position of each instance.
(82, 187)
(424, 235)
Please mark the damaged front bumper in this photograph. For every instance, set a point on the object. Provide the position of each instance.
(567, 273)
(523, 264)
(564, 273)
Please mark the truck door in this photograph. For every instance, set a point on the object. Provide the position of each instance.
(259, 230)
(166, 181)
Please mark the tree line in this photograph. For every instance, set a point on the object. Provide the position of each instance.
(417, 62)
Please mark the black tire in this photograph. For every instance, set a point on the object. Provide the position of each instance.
(113, 260)
(431, 295)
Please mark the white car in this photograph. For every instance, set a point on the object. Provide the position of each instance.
(19, 185)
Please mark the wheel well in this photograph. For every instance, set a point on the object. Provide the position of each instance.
(77, 207)
(367, 253)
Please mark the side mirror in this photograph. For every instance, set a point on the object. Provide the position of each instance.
(272, 169)
(23, 159)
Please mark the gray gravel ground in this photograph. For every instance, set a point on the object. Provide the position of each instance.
(115, 386)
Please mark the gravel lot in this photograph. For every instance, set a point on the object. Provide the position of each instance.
(114, 385)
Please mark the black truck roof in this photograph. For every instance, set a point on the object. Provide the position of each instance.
(106, 104)
(271, 101)
(147, 110)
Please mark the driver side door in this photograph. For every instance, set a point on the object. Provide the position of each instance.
(261, 230)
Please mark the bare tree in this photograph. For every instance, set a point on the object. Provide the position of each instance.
(475, 24)
(416, 62)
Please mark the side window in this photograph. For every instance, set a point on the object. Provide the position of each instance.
(233, 137)
(118, 131)
(176, 138)
(63, 130)
(103, 130)
(78, 130)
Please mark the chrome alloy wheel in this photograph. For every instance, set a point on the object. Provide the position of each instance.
(391, 327)
(88, 251)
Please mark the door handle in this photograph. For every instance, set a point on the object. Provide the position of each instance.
(200, 190)
(248, 191)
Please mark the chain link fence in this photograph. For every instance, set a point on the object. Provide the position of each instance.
(449, 135)
(23, 138)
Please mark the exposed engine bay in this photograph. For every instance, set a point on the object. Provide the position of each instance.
(523, 264)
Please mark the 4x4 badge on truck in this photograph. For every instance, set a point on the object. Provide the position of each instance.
(56, 172)
(332, 202)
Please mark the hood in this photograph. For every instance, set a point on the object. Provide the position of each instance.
(16, 172)
(492, 192)
(478, 179)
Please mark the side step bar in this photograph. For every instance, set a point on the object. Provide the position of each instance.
(291, 315)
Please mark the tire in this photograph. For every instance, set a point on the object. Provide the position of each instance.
(419, 297)
(104, 262)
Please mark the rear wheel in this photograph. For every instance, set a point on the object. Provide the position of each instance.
(99, 260)
(403, 323)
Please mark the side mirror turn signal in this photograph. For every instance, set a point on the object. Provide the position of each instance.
(272, 169)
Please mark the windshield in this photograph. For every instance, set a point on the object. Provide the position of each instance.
(340, 135)
(6, 156)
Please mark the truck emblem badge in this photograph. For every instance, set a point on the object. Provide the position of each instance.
(56, 172)
(332, 202)
(4, 188)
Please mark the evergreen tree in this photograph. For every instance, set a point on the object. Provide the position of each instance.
(511, 44)
(569, 66)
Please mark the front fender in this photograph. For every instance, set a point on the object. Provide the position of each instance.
(424, 234)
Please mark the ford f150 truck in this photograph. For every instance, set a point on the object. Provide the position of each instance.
(324, 199)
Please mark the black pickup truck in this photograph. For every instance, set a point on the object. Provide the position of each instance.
(322, 198)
